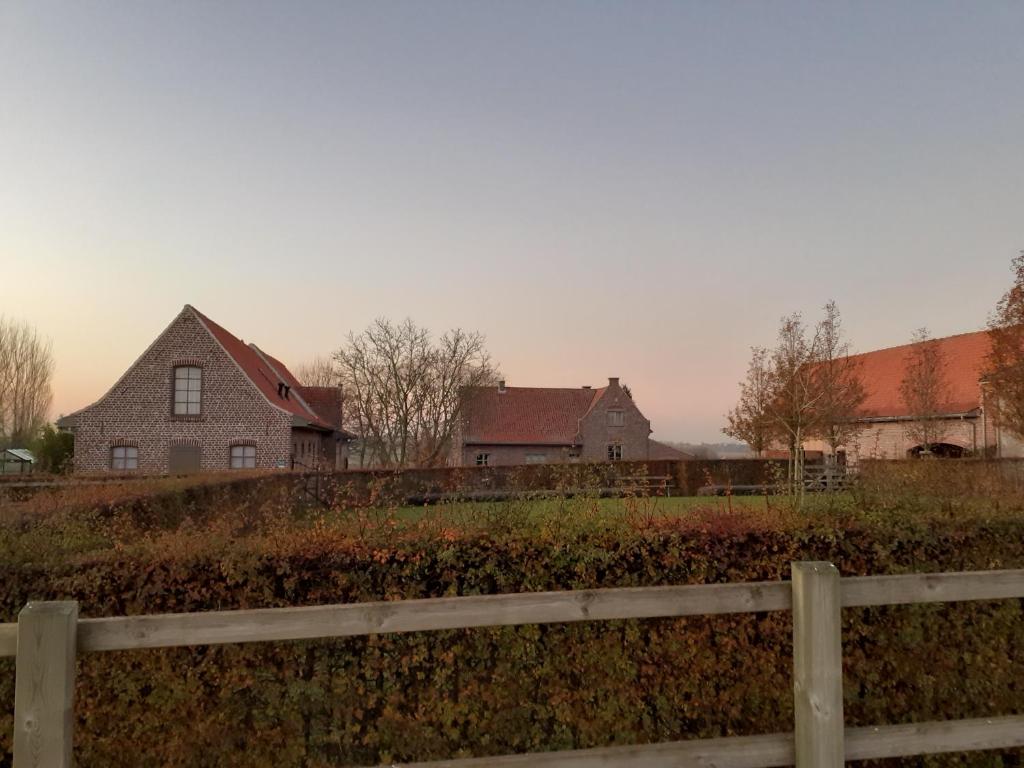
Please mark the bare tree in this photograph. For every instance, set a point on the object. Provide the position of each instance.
(26, 374)
(751, 421)
(924, 390)
(318, 372)
(797, 392)
(402, 389)
(838, 380)
(1005, 362)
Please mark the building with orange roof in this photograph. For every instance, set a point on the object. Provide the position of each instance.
(969, 423)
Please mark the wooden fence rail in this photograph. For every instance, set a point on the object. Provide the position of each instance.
(48, 635)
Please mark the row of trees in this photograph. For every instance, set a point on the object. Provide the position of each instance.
(810, 387)
(402, 389)
(26, 374)
(807, 387)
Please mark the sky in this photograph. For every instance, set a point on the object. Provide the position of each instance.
(633, 189)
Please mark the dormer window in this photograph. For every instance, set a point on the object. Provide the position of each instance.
(188, 390)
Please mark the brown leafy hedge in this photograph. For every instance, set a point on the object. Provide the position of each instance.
(490, 691)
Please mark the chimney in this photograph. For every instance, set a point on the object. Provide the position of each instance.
(613, 381)
(501, 387)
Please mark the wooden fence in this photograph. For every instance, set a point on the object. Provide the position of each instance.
(48, 635)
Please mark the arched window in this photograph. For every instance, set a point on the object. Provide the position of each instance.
(188, 390)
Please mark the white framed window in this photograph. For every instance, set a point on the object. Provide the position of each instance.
(188, 390)
(483, 459)
(124, 457)
(536, 458)
(616, 418)
(614, 452)
(243, 456)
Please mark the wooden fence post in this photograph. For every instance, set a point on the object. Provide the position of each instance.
(44, 686)
(817, 666)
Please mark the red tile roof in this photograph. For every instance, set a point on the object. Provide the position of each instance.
(325, 401)
(882, 372)
(526, 415)
(265, 372)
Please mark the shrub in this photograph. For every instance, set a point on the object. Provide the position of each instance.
(490, 691)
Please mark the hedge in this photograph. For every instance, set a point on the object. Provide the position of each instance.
(393, 698)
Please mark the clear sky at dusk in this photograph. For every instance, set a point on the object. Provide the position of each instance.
(634, 189)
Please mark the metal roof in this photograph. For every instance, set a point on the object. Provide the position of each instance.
(21, 453)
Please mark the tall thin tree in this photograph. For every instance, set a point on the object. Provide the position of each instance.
(797, 392)
(751, 420)
(838, 379)
(1005, 363)
(924, 390)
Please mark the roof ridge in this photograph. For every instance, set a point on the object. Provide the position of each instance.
(307, 413)
(549, 389)
(914, 343)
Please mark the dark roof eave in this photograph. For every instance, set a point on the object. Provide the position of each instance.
(974, 413)
(298, 421)
(301, 423)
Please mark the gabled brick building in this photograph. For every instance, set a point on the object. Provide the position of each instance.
(536, 425)
(200, 399)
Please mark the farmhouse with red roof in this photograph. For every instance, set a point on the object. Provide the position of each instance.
(969, 423)
(200, 399)
(537, 425)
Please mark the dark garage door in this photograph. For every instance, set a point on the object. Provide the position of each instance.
(184, 459)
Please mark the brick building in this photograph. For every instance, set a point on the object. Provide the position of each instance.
(200, 399)
(536, 425)
(968, 421)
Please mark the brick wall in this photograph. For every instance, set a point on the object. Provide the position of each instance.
(597, 433)
(888, 440)
(511, 455)
(138, 410)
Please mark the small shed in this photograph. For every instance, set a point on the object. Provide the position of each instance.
(16, 461)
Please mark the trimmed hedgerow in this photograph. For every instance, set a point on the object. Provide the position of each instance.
(421, 696)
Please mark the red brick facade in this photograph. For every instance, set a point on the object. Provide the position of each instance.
(138, 411)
